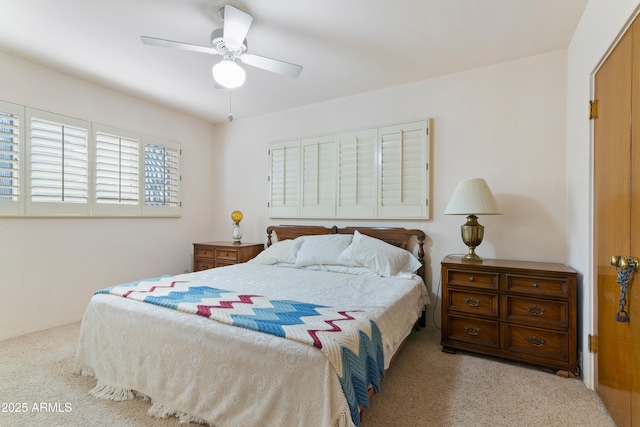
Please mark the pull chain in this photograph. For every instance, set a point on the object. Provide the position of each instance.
(230, 116)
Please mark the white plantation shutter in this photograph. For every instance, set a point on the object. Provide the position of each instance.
(117, 171)
(10, 155)
(53, 165)
(58, 164)
(357, 174)
(403, 171)
(284, 179)
(318, 177)
(161, 178)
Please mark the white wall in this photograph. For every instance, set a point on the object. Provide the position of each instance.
(505, 123)
(50, 267)
(601, 24)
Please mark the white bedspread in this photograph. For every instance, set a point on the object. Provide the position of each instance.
(231, 376)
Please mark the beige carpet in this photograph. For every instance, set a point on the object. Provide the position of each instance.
(424, 387)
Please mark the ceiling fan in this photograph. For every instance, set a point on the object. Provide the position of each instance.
(230, 43)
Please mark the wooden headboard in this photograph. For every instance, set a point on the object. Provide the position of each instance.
(287, 232)
(396, 236)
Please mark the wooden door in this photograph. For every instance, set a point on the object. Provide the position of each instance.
(616, 204)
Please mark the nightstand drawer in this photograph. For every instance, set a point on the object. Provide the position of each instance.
(555, 287)
(226, 254)
(202, 264)
(476, 279)
(220, 263)
(537, 342)
(220, 254)
(537, 312)
(203, 252)
(474, 331)
(482, 304)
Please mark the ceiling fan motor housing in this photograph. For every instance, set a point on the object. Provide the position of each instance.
(217, 42)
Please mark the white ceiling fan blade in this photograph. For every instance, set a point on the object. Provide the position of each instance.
(152, 41)
(236, 26)
(273, 65)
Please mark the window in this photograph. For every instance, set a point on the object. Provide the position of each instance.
(9, 158)
(161, 177)
(58, 164)
(54, 165)
(117, 171)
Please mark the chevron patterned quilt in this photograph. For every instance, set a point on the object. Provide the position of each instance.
(349, 338)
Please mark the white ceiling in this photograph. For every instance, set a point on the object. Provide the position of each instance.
(346, 46)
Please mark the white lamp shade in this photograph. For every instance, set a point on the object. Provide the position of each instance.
(472, 197)
(229, 74)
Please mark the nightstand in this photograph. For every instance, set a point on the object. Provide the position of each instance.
(518, 310)
(218, 254)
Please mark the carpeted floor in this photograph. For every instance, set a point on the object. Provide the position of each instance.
(424, 387)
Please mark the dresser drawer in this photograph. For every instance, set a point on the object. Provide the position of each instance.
(548, 286)
(475, 279)
(202, 252)
(537, 342)
(473, 331)
(554, 314)
(483, 304)
(223, 254)
(519, 310)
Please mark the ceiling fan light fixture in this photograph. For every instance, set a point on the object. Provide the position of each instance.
(229, 74)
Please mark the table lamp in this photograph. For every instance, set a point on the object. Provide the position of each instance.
(472, 197)
(236, 217)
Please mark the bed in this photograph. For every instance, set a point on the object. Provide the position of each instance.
(207, 369)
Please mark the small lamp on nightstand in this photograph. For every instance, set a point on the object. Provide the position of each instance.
(236, 217)
(472, 197)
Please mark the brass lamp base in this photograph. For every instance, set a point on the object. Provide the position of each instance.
(472, 234)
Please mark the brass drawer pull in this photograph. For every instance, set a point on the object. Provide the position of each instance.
(471, 330)
(536, 311)
(536, 285)
(535, 341)
(471, 302)
(472, 278)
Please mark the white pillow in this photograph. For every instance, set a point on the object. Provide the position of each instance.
(380, 257)
(284, 251)
(322, 249)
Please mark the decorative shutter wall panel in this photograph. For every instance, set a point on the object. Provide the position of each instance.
(403, 171)
(284, 179)
(357, 195)
(378, 173)
(318, 177)
(10, 168)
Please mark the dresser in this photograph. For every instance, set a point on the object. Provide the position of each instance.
(218, 254)
(518, 310)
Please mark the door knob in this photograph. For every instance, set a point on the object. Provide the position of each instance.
(624, 266)
(624, 263)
